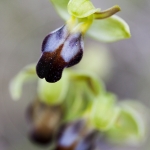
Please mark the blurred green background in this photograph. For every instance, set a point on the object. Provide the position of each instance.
(24, 24)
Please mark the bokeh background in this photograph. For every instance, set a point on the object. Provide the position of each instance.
(24, 24)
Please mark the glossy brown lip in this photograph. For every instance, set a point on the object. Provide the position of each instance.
(50, 66)
(52, 62)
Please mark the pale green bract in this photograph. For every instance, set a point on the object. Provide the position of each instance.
(75, 8)
(105, 30)
(26, 74)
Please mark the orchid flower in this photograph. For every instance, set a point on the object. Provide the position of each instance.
(64, 46)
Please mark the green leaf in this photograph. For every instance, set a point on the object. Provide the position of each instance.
(104, 113)
(110, 29)
(61, 8)
(53, 93)
(131, 125)
(81, 8)
(26, 74)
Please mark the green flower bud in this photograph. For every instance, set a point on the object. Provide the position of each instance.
(104, 113)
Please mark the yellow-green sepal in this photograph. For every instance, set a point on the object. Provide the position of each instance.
(104, 112)
(81, 8)
(109, 30)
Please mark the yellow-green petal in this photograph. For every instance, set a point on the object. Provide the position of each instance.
(81, 8)
(109, 30)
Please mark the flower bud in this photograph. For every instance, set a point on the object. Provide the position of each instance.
(60, 49)
(104, 112)
(44, 121)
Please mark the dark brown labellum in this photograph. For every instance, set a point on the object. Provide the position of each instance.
(60, 49)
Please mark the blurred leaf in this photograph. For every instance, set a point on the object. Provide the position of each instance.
(81, 8)
(26, 74)
(109, 30)
(53, 93)
(104, 113)
(61, 7)
(131, 126)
